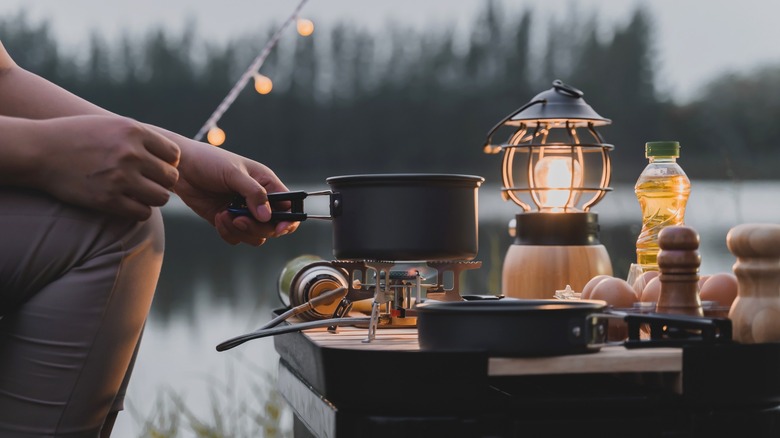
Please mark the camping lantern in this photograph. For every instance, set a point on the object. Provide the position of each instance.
(555, 167)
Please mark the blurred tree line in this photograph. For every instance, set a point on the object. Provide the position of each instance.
(351, 101)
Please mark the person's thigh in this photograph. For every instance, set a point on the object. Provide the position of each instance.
(75, 289)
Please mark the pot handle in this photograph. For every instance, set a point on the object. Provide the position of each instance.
(296, 214)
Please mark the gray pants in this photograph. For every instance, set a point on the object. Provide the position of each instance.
(75, 290)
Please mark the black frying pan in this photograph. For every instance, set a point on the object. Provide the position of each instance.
(516, 328)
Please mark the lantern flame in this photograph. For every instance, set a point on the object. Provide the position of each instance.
(555, 177)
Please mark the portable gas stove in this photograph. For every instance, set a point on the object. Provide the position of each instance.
(395, 287)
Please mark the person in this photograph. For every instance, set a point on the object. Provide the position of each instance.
(81, 245)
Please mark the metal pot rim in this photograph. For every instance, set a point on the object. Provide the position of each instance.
(404, 178)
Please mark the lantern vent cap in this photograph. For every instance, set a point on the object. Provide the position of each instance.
(563, 104)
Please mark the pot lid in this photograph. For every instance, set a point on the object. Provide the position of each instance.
(560, 104)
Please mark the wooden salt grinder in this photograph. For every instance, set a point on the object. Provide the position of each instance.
(679, 261)
(755, 314)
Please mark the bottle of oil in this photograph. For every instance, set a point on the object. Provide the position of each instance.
(662, 191)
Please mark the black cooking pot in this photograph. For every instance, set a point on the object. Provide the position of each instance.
(396, 217)
(517, 328)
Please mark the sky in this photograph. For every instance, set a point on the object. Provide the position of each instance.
(696, 40)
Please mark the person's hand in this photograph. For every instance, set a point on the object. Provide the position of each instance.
(212, 177)
(108, 163)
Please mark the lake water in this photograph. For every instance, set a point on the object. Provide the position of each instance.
(210, 291)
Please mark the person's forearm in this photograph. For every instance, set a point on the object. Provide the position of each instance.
(27, 95)
(19, 151)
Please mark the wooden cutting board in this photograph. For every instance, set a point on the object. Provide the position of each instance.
(610, 359)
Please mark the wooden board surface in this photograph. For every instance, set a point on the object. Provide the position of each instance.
(611, 359)
(608, 360)
(352, 338)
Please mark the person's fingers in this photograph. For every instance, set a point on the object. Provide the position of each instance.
(128, 207)
(221, 223)
(267, 178)
(162, 173)
(243, 229)
(250, 231)
(254, 194)
(254, 185)
(259, 206)
(271, 184)
(161, 147)
(148, 192)
(283, 228)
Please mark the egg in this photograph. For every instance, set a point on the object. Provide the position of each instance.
(642, 280)
(702, 279)
(721, 288)
(615, 291)
(652, 291)
(619, 294)
(588, 289)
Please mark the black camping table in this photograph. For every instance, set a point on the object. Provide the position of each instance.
(340, 386)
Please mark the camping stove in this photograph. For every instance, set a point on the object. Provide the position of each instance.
(394, 287)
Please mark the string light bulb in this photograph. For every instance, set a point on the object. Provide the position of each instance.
(250, 72)
(263, 84)
(305, 27)
(216, 136)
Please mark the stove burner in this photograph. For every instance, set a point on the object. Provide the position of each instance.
(396, 291)
(394, 288)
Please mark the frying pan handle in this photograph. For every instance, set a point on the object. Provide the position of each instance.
(296, 214)
(666, 330)
(677, 330)
(289, 328)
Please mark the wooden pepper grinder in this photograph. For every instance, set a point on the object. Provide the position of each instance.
(679, 261)
(755, 314)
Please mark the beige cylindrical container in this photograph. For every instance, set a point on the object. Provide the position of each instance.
(755, 314)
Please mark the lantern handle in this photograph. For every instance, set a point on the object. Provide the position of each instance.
(568, 89)
(488, 144)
